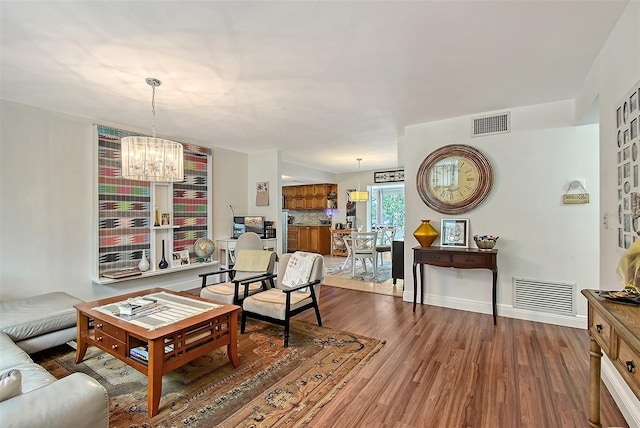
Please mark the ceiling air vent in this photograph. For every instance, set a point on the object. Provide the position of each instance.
(488, 125)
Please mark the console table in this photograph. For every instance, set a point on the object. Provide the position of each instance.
(615, 329)
(461, 258)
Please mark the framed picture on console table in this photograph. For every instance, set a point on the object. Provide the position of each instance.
(454, 232)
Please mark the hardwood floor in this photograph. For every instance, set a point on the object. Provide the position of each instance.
(448, 368)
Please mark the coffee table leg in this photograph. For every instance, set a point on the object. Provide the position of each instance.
(81, 344)
(154, 376)
(232, 347)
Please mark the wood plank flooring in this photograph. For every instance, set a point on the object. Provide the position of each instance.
(448, 368)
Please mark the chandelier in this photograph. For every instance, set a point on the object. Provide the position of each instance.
(151, 158)
(359, 196)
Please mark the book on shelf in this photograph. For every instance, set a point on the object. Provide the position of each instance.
(122, 273)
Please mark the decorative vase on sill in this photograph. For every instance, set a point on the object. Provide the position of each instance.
(163, 262)
(425, 233)
(144, 266)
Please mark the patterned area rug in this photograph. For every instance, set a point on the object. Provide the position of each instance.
(273, 385)
(383, 271)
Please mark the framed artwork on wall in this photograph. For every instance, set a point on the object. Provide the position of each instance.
(454, 232)
(627, 136)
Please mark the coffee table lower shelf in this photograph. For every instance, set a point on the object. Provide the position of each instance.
(168, 347)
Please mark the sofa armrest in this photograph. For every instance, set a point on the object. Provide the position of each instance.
(73, 401)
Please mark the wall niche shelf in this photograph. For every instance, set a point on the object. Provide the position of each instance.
(164, 227)
(103, 281)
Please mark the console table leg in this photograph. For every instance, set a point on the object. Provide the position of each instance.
(495, 306)
(415, 286)
(595, 360)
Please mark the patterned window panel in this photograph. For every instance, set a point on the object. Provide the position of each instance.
(123, 207)
(190, 199)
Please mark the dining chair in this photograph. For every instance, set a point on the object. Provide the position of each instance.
(363, 247)
(385, 239)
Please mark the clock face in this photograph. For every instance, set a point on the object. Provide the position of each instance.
(454, 179)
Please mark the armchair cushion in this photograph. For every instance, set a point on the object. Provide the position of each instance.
(271, 303)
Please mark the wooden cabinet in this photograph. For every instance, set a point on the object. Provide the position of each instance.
(310, 197)
(614, 329)
(293, 238)
(314, 239)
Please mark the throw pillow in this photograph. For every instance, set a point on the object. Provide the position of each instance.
(10, 384)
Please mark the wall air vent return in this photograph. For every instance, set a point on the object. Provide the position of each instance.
(541, 296)
(489, 125)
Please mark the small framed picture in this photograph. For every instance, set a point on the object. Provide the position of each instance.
(633, 102)
(634, 128)
(180, 258)
(165, 219)
(454, 232)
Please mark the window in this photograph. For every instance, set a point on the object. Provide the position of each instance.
(387, 207)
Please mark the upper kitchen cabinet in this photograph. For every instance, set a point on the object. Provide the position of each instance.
(310, 197)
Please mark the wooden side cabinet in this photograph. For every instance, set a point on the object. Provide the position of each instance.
(615, 329)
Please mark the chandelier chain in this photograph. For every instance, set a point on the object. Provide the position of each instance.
(153, 110)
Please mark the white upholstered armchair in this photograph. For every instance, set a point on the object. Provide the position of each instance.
(252, 272)
(297, 289)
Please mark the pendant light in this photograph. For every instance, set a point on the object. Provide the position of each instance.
(151, 158)
(359, 196)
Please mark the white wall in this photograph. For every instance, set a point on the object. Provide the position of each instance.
(540, 238)
(46, 211)
(613, 73)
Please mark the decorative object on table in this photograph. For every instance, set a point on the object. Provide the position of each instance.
(150, 158)
(163, 262)
(485, 242)
(157, 218)
(144, 266)
(454, 179)
(629, 271)
(165, 219)
(454, 232)
(204, 248)
(180, 258)
(425, 233)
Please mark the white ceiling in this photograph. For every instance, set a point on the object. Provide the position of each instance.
(325, 82)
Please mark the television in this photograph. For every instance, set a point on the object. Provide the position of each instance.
(246, 223)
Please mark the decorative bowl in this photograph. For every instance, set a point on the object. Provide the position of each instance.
(485, 242)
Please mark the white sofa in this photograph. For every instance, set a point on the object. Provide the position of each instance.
(74, 401)
(32, 397)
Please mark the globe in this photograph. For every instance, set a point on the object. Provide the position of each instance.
(203, 248)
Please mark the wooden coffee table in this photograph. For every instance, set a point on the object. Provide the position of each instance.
(169, 347)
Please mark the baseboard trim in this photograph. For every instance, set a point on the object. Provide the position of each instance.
(579, 321)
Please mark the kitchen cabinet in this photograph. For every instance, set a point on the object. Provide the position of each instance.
(313, 239)
(310, 197)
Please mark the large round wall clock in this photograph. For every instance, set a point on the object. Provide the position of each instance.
(454, 179)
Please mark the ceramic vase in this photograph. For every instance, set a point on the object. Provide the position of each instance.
(143, 266)
(163, 262)
(425, 233)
